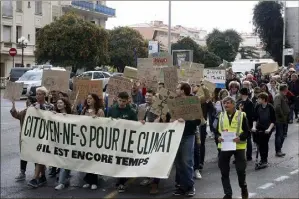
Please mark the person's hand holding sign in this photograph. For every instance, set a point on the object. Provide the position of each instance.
(237, 139)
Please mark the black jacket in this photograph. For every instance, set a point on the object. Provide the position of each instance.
(248, 109)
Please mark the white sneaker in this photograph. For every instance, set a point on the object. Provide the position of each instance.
(60, 187)
(86, 186)
(197, 174)
(20, 177)
(93, 187)
(146, 182)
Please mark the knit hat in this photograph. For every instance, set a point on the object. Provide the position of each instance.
(244, 91)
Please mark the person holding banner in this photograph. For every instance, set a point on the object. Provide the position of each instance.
(20, 115)
(122, 110)
(64, 107)
(39, 178)
(184, 161)
(232, 132)
(94, 107)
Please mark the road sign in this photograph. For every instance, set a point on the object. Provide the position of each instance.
(12, 52)
(288, 51)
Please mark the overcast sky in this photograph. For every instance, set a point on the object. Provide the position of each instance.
(201, 14)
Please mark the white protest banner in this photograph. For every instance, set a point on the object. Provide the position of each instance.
(116, 85)
(13, 91)
(56, 80)
(216, 76)
(269, 68)
(117, 148)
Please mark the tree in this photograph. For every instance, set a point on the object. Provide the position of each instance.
(71, 41)
(224, 44)
(200, 55)
(249, 52)
(268, 22)
(123, 42)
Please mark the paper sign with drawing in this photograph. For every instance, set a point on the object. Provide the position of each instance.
(159, 106)
(13, 91)
(56, 80)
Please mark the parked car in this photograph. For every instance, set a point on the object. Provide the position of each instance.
(32, 79)
(117, 74)
(96, 75)
(16, 73)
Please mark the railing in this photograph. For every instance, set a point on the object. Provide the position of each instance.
(94, 7)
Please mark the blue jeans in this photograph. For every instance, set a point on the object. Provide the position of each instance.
(64, 176)
(281, 133)
(184, 162)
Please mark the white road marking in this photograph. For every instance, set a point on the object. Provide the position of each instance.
(251, 195)
(266, 186)
(294, 172)
(281, 178)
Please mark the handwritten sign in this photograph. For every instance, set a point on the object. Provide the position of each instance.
(216, 76)
(147, 73)
(188, 108)
(192, 75)
(186, 65)
(159, 106)
(170, 78)
(130, 72)
(269, 68)
(117, 85)
(56, 80)
(13, 91)
(84, 87)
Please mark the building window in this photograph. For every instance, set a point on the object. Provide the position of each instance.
(36, 32)
(29, 6)
(7, 34)
(38, 8)
(93, 22)
(28, 37)
(18, 32)
(7, 9)
(19, 6)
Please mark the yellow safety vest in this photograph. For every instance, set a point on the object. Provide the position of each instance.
(235, 126)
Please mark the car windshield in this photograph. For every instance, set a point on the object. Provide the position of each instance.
(31, 76)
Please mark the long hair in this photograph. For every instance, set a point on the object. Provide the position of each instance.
(67, 103)
(98, 103)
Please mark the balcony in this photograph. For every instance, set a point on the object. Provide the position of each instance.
(96, 8)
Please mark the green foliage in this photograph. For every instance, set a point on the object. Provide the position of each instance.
(248, 52)
(268, 22)
(200, 55)
(224, 44)
(71, 41)
(122, 42)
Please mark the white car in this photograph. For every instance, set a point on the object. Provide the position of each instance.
(97, 75)
(33, 79)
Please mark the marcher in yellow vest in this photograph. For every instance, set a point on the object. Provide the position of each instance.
(232, 131)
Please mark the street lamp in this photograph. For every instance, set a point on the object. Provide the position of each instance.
(169, 27)
(23, 42)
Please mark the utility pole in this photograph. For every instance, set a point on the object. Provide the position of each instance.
(169, 27)
(284, 32)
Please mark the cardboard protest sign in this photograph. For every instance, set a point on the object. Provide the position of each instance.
(117, 148)
(187, 65)
(210, 86)
(170, 78)
(56, 80)
(147, 73)
(159, 106)
(269, 68)
(216, 76)
(192, 75)
(84, 87)
(13, 91)
(188, 108)
(117, 85)
(161, 60)
(130, 72)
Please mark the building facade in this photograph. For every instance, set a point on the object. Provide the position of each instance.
(25, 18)
(158, 31)
(292, 28)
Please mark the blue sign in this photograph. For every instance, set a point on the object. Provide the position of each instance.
(297, 67)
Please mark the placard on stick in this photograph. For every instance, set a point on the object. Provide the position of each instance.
(147, 73)
(56, 80)
(84, 87)
(130, 72)
(269, 68)
(170, 78)
(188, 108)
(13, 91)
(117, 85)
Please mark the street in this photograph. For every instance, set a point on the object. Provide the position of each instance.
(280, 180)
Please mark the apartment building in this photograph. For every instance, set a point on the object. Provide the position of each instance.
(25, 18)
(197, 35)
(292, 28)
